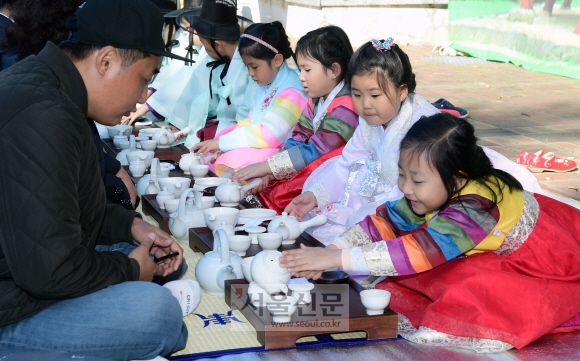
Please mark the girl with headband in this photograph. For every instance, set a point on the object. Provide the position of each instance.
(275, 99)
(324, 127)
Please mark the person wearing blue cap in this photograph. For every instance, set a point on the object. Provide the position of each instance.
(66, 256)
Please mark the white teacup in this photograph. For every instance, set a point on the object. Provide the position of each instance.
(124, 144)
(269, 241)
(375, 301)
(117, 139)
(171, 205)
(239, 244)
(137, 168)
(246, 269)
(148, 144)
(281, 307)
(207, 202)
(301, 288)
(198, 170)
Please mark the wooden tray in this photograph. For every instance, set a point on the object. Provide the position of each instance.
(274, 337)
(201, 240)
(171, 153)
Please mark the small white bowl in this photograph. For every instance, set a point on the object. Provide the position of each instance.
(171, 205)
(215, 216)
(124, 144)
(119, 130)
(148, 144)
(375, 301)
(144, 155)
(269, 241)
(239, 244)
(176, 185)
(198, 170)
(246, 268)
(263, 214)
(207, 202)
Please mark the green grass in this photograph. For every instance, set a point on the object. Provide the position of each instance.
(463, 9)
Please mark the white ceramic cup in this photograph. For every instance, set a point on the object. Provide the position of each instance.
(375, 301)
(148, 144)
(137, 168)
(246, 269)
(269, 241)
(207, 202)
(124, 144)
(281, 307)
(171, 205)
(198, 170)
(117, 139)
(239, 244)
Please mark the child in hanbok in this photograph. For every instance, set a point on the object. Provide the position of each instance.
(472, 259)
(216, 86)
(325, 125)
(349, 187)
(276, 103)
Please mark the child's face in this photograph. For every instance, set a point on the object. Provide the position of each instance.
(372, 103)
(316, 79)
(421, 184)
(262, 71)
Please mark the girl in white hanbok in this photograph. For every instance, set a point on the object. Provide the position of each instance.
(349, 187)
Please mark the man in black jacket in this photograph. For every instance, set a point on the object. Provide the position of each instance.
(66, 255)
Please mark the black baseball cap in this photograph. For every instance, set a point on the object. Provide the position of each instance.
(124, 24)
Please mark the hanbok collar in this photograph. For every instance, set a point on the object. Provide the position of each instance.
(322, 108)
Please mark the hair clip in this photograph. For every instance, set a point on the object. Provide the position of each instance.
(383, 45)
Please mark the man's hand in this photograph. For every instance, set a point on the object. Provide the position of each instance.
(256, 170)
(147, 268)
(301, 205)
(129, 184)
(311, 259)
(163, 244)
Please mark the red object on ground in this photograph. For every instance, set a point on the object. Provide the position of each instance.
(515, 298)
(540, 161)
(577, 30)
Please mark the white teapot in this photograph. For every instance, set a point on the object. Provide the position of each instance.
(218, 265)
(290, 228)
(267, 273)
(165, 137)
(187, 160)
(230, 194)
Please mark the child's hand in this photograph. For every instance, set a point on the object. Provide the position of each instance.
(311, 259)
(256, 170)
(311, 275)
(209, 146)
(301, 205)
(262, 186)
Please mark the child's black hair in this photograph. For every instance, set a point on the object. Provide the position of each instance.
(389, 66)
(328, 45)
(273, 34)
(450, 146)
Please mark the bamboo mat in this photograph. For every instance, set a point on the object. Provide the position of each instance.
(214, 329)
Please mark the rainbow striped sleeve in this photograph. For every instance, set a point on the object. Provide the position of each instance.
(274, 128)
(402, 243)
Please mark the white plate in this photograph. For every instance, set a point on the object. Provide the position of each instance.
(262, 214)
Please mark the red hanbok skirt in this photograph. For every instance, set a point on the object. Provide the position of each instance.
(515, 299)
(281, 192)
